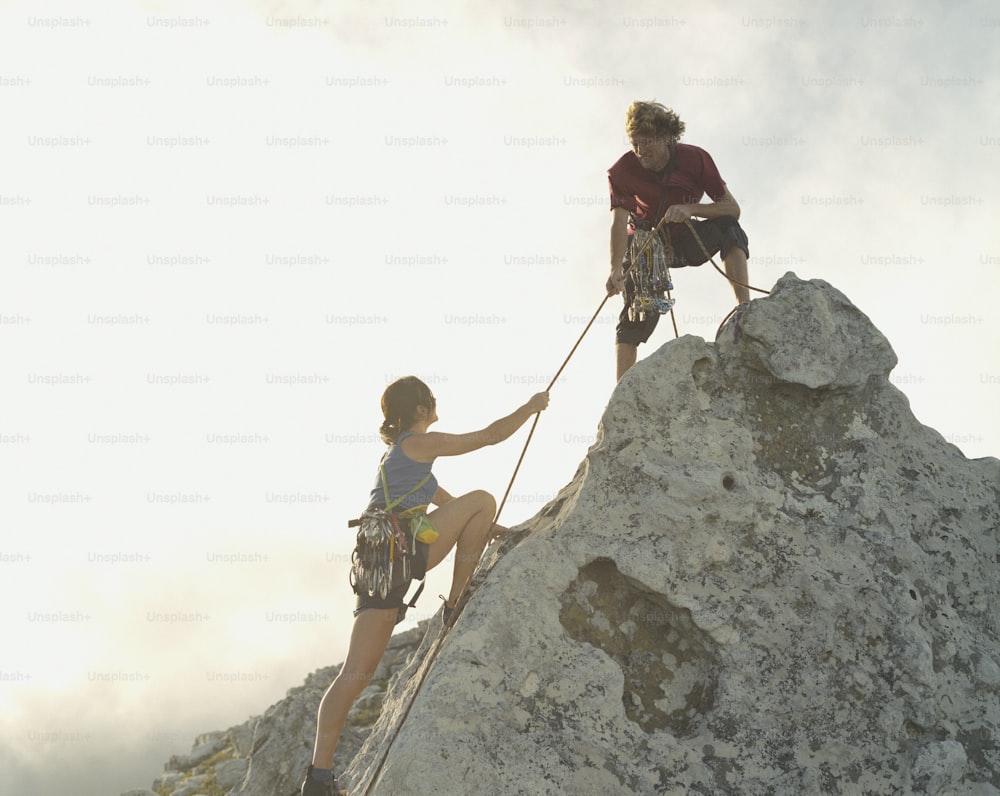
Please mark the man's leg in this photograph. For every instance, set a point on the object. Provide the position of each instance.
(736, 269)
(627, 353)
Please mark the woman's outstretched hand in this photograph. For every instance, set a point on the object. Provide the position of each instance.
(538, 402)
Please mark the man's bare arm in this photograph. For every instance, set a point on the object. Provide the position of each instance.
(619, 243)
(726, 206)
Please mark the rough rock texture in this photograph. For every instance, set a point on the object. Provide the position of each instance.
(267, 755)
(766, 577)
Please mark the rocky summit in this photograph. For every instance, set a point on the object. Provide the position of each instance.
(765, 577)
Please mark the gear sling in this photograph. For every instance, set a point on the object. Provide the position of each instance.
(650, 255)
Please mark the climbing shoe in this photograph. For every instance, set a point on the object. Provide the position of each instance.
(313, 787)
(447, 612)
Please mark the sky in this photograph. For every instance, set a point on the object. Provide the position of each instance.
(228, 226)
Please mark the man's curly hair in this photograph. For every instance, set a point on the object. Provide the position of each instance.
(652, 119)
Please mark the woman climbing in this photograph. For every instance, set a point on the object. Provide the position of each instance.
(464, 523)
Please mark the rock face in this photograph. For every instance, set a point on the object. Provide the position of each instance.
(766, 577)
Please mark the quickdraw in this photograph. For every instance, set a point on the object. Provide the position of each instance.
(650, 275)
(373, 558)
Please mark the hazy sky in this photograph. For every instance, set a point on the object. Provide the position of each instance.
(226, 226)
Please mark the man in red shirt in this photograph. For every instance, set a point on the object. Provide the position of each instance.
(663, 179)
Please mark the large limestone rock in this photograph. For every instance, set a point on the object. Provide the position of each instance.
(766, 577)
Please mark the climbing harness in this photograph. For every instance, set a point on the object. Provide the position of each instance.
(644, 252)
(386, 545)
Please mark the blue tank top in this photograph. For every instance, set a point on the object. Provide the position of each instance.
(402, 474)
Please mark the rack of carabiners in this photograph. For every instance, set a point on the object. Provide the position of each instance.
(650, 256)
(382, 546)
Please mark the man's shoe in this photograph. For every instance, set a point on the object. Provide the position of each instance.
(313, 787)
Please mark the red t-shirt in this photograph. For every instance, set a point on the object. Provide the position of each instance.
(639, 190)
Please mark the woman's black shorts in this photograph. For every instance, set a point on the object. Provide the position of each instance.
(396, 597)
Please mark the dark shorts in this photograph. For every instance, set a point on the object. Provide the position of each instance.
(718, 235)
(396, 598)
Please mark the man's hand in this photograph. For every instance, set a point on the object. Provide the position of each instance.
(616, 282)
(678, 214)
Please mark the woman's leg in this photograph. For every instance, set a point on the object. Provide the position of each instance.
(464, 524)
(372, 629)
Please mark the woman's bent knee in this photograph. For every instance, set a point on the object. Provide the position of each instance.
(485, 499)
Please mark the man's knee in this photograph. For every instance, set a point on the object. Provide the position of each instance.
(734, 239)
(735, 249)
(627, 352)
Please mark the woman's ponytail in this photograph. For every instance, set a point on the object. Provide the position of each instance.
(389, 431)
(399, 406)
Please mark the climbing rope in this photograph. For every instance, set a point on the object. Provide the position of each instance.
(642, 251)
(430, 657)
(735, 310)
